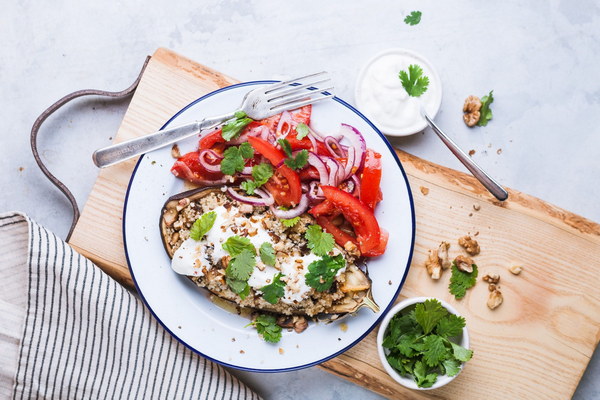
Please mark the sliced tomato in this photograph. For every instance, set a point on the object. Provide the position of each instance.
(370, 193)
(380, 249)
(209, 140)
(302, 115)
(285, 186)
(309, 173)
(305, 143)
(323, 208)
(271, 122)
(341, 237)
(270, 152)
(359, 215)
(188, 167)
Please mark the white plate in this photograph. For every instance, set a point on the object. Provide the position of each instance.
(186, 310)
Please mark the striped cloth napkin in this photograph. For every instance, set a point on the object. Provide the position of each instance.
(69, 331)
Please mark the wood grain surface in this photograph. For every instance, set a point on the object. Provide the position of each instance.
(535, 345)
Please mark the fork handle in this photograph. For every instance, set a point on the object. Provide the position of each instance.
(490, 184)
(116, 153)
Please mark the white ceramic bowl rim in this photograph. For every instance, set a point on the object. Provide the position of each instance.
(409, 381)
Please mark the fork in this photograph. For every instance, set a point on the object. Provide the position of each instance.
(260, 103)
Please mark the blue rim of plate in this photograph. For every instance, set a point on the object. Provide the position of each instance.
(412, 243)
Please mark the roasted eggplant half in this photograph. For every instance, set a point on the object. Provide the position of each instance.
(205, 261)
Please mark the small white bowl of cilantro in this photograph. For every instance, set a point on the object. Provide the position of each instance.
(423, 343)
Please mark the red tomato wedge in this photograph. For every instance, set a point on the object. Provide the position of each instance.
(308, 174)
(360, 216)
(208, 141)
(370, 193)
(305, 143)
(188, 167)
(341, 237)
(380, 249)
(302, 115)
(323, 208)
(285, 184)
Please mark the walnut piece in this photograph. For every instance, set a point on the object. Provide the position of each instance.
(495, 299)
(515, 269)
(471, 246)
(494, 278)
(443, 255)
(464, 263)
(471, 110)
(434, 268)
(492, 287)
(175, 153)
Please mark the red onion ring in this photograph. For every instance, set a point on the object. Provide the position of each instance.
(333, 144)
(265, 199)
(313, 193)
(357, 142)
(294, 212)
(316, 162)
(206, 164)
(284, 127)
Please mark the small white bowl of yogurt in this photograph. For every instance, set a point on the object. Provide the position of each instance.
(380, 96)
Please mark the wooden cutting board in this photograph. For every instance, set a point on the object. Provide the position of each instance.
(535, 345)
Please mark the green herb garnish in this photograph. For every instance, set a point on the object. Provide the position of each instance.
(321, 273)
(240, 287)
(299, 161)
(418, 343)
(414, 82)
(461, 281)
(267, 254)
(285, 146)
(234, 245)
(319, 242)
(261, 174)
(202, 225)
(234, 158)
(234, 126)
(302, 130)
(486, 111)
(413, 18)
(266, 326)
(288, 223)
(274, 290)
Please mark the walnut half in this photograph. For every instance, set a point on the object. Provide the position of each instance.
(471, 110)
(434, 268)
(471, 246)
(464, 263)
(495, 299)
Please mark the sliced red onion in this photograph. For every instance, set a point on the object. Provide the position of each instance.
(313, 193)
(316, 162)
(294, 212)
(357, 142)
(284, 127)
(334, 147)
(239, 140)
(356, 181)
(313, 142)
(205, 155)
(265, 199)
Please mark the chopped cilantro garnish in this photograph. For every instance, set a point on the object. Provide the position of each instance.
(234, 245)
(274, 290)
(302, 130)
(418, 343)
(202, 225)
(261, 174)
(288, 223)
(234, 158)
(234, 126)
(240, 287)
(413, 18)
(486, 111)
(461, 281)
(321, 273)
(266, 326)
(267, 254)
(246, 150)
(414, 82)
(319, 242)
(299, 161)
(241, 266)
(285, 146)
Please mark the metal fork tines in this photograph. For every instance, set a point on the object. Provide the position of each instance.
(299, 92)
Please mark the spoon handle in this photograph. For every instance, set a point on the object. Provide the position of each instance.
(490, 184)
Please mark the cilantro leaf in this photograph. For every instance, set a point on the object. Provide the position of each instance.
(460, 353)
(237, 286)
(202, 225)
(285, 146)
(232, 161)
(321, 273)
(422, 378)
(241, 266)
(234, 126)
(288, 223)
(451, 366)
(435, 350)
(429, 313)
(461, 281)
(246, 150)
(249, 186)
(274, 290)
(414, 82)
(486, 111)
(266, 326)
(449, 326)
(234, 245)
(267, 253)
(319, 242)
(299, 161)
(261, 174)
(413, 18)
(302, 130)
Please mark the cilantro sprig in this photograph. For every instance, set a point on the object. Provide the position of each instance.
(267, 328)
(288, 223)
(297, 161)
(420, 342)
(486, 111)
(461, 281)
(234, 158)
(234, 126)
(413, 81)
(413, 18)
(319, 242)
(302, 131)
(321, 273)
(202, 225)
(267, 254)
(274, 290)
(241, 264)
(261, 173)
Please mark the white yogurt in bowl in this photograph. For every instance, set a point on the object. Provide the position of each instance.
(380, 96)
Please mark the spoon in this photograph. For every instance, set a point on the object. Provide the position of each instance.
(487, 181)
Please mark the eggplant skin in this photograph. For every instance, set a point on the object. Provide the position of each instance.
(350, 291)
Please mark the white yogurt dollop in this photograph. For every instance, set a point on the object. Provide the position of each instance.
(381, 97)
